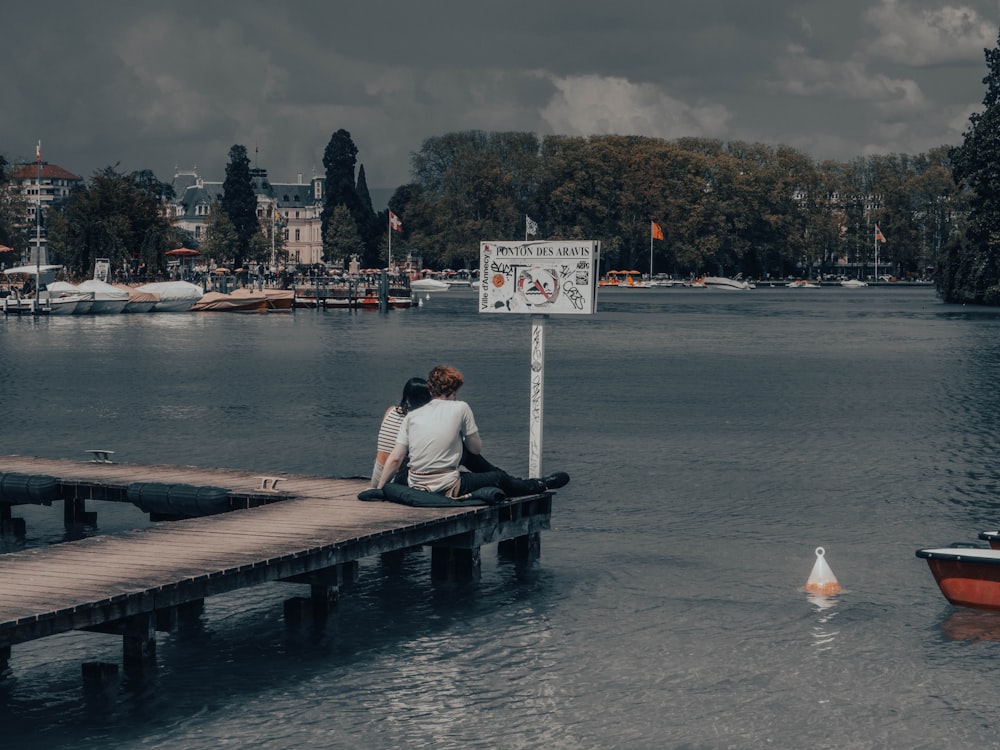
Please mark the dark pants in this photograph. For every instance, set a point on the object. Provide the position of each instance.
(512, 486)
(481, 473)
(475, 462)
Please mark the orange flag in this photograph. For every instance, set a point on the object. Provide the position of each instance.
(657, 232)
(879, 237)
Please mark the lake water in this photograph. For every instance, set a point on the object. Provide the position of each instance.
(714, 439)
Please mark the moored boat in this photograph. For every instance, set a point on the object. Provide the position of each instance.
(139, 302)
(25, 300)
(967, 576)
(429, 285)
(107, 300)
(279, 299)
(63, 305)
(368, 301)
(175, 296)
(722, 282)
(853, 283)
(65, 289)
(219, 302)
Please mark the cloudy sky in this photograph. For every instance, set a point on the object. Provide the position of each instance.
(167, 86)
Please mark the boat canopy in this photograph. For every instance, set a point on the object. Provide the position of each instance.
(32, 270)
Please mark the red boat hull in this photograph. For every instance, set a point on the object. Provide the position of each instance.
(967, 577)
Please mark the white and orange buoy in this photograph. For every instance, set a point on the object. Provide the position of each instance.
(822, 581)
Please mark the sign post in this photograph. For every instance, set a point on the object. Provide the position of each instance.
(540, 279)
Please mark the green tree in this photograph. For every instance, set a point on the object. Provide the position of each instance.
(342, 238)
(239, 201)
(339, 159)
(221, 243)
(970, 268)
(115, 216)
(13, 209)
(479, 184)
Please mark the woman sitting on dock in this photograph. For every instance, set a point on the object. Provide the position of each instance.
(415, 395)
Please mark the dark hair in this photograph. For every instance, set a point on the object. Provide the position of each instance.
(415, 395)
(444, 381)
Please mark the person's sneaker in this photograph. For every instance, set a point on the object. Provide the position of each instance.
(556, 480)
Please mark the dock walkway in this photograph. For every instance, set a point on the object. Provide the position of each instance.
(133, 583)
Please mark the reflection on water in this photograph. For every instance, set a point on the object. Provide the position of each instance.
(823, 637)
(971, 625)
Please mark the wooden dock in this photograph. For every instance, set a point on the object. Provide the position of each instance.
(134, 583)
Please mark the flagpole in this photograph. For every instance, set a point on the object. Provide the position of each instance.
(651, 251)
(389, 264)
(38, 232)
(876, 254)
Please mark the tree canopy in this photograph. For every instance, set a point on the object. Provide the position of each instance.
(970, 266)
(725, 208)
(13, 209)
(115, 216)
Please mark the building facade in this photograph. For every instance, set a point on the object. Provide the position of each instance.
(43, 186)
(296, 207)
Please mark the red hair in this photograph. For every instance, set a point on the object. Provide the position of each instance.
(444, 381)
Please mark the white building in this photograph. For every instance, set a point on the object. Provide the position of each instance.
(51, 189)
(299, 205)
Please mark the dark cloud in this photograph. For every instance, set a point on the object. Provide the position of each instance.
(175, 85)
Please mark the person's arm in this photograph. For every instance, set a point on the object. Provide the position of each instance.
(392, 464)
(474, 443)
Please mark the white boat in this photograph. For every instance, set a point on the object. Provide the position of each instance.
(802, 284)
(722, 282)
(175, 296)
(53, 303)
(16, 304)
(662, 280)
(63, 304)
(853, 283)
(429, 285)
(108, 299)
(62, 289)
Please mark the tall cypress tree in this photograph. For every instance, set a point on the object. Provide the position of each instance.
(239, 201)
(340, 158)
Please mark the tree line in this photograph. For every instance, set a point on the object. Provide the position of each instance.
(725, 208)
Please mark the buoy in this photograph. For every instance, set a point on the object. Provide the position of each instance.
(822, 580)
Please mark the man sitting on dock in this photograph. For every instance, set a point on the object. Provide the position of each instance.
(433, 437)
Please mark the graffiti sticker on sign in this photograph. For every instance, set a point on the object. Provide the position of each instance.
(557, 278)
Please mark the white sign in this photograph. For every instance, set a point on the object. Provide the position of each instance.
(551, 278)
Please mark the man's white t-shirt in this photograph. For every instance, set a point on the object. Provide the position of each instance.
(434, 436)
